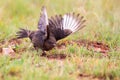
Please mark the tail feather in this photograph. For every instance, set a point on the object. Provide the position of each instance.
(23, 33)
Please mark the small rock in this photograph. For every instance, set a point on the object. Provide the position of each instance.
(7, 51)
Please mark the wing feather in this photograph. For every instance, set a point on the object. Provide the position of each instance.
(61, 27)
(43, 21)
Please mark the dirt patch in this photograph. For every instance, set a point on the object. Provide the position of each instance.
(15, 41)
(12, 41)
(83, 75)
(55, 56)
(9, 47)
(0, 50)
(90, 45)
(89, 77)
(19, 50)
(103, 47)
(95, 46)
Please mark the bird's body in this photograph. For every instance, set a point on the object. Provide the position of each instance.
(53, 29)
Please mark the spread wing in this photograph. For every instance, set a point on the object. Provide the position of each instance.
(62, 26)
(43, 21)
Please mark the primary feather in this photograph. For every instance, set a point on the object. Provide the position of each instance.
(73, 22)
(62, 26)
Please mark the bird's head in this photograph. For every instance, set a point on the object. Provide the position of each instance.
(39, 38)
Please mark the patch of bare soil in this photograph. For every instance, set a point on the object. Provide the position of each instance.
(90, 45)
(95, 46)
(15, 41)
(90, 77)
(9, 47)
(55, 56)
(0, 50)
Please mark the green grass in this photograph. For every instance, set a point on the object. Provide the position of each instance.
(103, 25)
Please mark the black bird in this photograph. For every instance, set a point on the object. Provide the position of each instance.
(53, 29)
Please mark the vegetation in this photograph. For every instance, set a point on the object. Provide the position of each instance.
(103, 25)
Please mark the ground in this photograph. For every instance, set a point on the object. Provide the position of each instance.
(93, 53)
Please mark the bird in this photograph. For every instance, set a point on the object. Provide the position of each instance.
(51, 30)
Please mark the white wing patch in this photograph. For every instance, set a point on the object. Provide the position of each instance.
(72, 22)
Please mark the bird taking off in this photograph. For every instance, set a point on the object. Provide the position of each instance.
(52, 29)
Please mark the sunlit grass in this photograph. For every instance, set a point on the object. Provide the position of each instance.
(103, 25)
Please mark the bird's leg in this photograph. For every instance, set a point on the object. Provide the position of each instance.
(44, 53)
